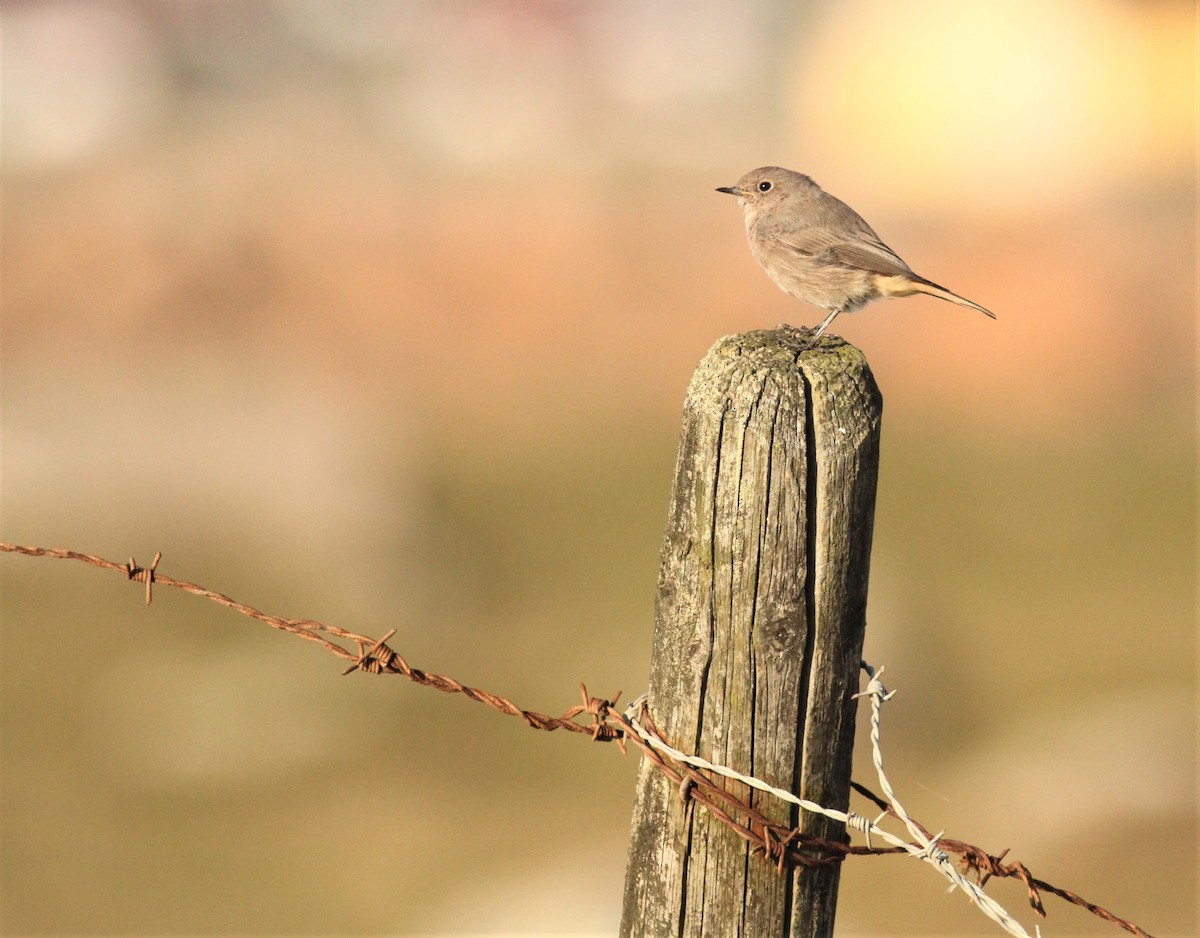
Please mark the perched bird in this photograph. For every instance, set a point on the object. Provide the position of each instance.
(818, 249)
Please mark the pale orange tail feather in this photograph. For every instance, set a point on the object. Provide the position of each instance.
(924, 286)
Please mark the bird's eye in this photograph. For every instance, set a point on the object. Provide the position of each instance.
(764, 186)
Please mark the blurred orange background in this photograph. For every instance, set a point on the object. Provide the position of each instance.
(381, 313)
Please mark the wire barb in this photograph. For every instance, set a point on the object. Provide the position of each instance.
(598, 708)
(861, 824)
(366, 657)
(143, 575)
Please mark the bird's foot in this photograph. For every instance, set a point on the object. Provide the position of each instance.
(804, 338)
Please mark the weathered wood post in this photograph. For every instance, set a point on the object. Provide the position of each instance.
(759, 625)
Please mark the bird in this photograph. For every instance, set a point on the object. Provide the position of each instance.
(816, 248)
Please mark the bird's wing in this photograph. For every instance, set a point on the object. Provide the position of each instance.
(866, 252)
(874, 256)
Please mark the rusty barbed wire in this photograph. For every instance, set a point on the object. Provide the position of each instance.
(373, 656)
(778, 843)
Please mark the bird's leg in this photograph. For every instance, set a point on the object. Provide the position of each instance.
(821, 328)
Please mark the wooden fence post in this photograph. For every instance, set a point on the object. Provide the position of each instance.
(758, 629)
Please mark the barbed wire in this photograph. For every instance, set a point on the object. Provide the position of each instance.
(926, 848)
(778, 843)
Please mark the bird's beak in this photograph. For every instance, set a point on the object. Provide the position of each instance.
(731, 190)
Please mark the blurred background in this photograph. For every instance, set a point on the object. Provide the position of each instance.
(381, 313)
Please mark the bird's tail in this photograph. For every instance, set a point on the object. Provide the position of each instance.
(921, 285)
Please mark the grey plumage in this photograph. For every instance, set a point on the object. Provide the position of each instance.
(819, 250)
